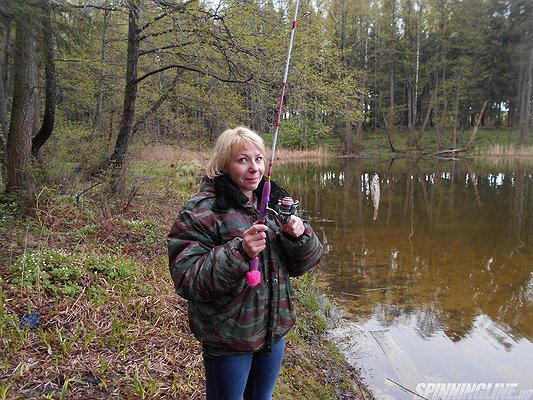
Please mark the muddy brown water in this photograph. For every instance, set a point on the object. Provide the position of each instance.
(437, 289)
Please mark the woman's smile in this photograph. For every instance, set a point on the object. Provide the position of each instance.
(246, 168)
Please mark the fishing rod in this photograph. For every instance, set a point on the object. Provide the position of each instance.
(253, 276)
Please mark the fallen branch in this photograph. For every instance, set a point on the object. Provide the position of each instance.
(478, 122)
(468, 144)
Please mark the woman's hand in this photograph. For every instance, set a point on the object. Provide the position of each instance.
(254, 239)
(295, 227)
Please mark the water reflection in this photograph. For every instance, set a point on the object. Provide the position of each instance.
(448, 260)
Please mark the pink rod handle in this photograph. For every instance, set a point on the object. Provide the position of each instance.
(265, 198)
(254, 264)
(253, 276)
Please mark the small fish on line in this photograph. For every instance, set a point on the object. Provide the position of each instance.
(375, 194)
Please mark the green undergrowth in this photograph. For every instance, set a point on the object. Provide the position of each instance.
(488, 141)
(94, 270)
(180, 176)
(61, 273)
(314, 368)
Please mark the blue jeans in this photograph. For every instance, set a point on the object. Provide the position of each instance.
(249, 376)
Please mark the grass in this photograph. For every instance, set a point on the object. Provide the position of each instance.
(111, 326)
(488, 142)
(312, 364)
(507, 150)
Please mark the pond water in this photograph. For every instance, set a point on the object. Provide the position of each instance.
(439, 287)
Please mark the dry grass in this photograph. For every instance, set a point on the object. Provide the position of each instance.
(164, 153)
(120, 337)
(302, 155)
(509, 150)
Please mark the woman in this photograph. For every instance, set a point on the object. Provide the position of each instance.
(214, 238)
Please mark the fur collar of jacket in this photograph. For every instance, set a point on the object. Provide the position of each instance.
(228, 195)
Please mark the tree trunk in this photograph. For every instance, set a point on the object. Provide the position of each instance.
(427, 117)
(117, 160)
(525, 103)
(4, 125)
(348, 139)
(410, 113)
(437, 129)
(47, 126)
(392, 101)
(390, 124)
(478, 122)
(359, 132)
(130, 94)
(417, 77)
(456, 114)
(362, 100)
(100, 97)
(18, 158)
(437, 136)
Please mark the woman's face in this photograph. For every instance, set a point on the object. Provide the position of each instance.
(246, 168)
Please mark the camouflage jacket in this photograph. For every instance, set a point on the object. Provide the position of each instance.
(226, 314)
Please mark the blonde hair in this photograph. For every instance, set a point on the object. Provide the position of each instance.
(228, 143)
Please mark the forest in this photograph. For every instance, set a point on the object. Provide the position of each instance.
(99, 75)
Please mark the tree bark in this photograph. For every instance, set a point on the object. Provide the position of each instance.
(525, 103)
(390, 124)
(47, 126)
(4, 123)
(100, 97)
(362, 99)
(117, 160)
(130, 93)
(18, 158)
(410, 112)
(456, 114)
(348, 137)
(432, 100)
(478, 122)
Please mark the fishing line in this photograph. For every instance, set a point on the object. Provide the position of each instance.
(253, 276)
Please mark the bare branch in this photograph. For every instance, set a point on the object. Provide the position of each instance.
(158, 103)
(172, 46)
(188, 68)
(146, 35)
(97, 7)
(172, 8)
